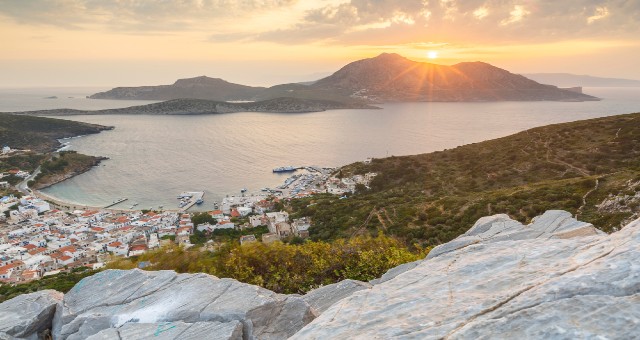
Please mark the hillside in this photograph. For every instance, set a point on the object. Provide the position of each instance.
(194, 88)
(590, 168)
(385, 78)
(570, 80)
(40, 134)
(200, 106)
(60, 167)
(391, 77)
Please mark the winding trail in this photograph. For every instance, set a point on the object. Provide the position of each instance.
(584, 197)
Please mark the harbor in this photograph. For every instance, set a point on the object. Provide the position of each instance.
(116, 203)
(300, 181)
(310, 180)
(190, 198)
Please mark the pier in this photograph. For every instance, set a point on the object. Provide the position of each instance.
(195, 196)
(116, 202)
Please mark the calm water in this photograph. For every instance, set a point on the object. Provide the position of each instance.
(30, 99)
(153, 158)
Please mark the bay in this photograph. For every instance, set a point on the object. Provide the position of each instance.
(153, 158)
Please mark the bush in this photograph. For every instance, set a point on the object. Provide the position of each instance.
(285, 268)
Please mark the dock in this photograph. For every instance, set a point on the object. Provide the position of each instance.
(116, 202)
(195, 195)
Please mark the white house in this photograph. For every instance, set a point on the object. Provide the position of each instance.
(153, 241)
(38, 241)
(277, 217)
(244, 211)
(258, 220)
(206, 227)
(217, 214)
(225, 225)
(118, 248)
(137, 249)
(301, 225)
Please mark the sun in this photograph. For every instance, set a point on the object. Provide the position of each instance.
(432, 54)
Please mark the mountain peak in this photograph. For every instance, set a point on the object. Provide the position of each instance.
(201, 80)
(388, 56)
(392, 77)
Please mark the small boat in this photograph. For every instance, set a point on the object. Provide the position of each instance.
(243, 190)
(199, 201)
(285, 169)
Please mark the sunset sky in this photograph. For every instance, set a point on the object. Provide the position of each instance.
(265, 42)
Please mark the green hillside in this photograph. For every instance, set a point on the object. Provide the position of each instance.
(432, 198)
(38, 133)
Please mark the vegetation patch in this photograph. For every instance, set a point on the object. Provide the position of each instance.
(432, 198)
(40, 134)
(61, 166)
(284, 268)
(62, 282)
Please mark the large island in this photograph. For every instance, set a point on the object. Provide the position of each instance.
(388, 77)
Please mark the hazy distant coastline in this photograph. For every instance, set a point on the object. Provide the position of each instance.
(573, 80)
(200, 106)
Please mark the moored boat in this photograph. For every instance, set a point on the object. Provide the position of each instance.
(285, 169)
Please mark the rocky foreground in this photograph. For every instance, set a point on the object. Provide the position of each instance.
(554, 278)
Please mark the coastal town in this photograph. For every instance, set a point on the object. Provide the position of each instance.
(39, 237)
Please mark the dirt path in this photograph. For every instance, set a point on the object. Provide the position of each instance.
(584, 198)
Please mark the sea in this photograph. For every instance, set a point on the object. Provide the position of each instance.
(154, 158)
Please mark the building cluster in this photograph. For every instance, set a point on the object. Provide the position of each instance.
(280, 226)
(341, 186)
(6, 151)
(259, 212)
(15, 172)
(36, 241)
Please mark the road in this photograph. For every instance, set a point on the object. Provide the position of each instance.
(23, 186)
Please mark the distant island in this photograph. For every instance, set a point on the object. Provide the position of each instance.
(571, 80)
(201, 106)
(388, 77)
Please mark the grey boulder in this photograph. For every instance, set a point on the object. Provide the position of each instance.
(324, 297)
(496, 228)
(115, 298)
(27, 316)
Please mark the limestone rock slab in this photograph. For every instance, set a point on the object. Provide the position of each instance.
(395, 271)
(542, 287)
(500, 227)
(115, 298)
(27, 315)
(173, 330)
(322, 298)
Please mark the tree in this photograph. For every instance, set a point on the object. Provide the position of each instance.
(198, 237)
(202, 218)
